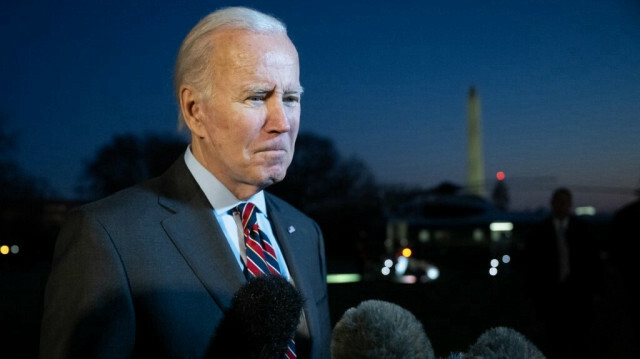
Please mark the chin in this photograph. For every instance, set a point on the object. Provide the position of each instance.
(273, 177)
(276, 178)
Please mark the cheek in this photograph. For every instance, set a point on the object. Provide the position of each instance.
(232, 133)
(294, 137)
(294, 122)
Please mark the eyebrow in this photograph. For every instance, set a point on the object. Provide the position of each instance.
(264, 90)
(299, 91)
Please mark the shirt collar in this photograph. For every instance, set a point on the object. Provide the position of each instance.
(561, 223)
(221, 199)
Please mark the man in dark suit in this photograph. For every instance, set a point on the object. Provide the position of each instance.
(151, 270)
(563, 274)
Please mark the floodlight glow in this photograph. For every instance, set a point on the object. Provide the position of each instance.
(494, 263)
(585, 211)
(388, 263)
(506, 258)
(343, 278)
(493, 271)
(386, 271)
(433, 273)
(406, 252)
(4, 249)
(408, 279)
(501, 226)
(402, 265)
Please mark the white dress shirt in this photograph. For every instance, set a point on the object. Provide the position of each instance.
(563, 248)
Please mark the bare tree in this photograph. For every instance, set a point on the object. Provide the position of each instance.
(339, 193)
(128, 160)
(15, 183)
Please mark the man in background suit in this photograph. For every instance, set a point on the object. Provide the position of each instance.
(563, 273)
(151, 270)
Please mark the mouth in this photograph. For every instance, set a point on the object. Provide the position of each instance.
(273, 148)
(272, 151)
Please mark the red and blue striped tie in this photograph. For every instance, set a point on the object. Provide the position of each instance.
(261, 258)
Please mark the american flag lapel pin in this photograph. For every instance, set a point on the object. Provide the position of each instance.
(291, 229)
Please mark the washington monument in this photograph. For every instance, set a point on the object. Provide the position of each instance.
(475, 179)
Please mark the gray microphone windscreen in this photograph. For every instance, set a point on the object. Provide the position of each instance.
(377, 329)
(503, 343)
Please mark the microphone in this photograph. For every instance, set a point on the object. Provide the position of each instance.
(503, 343)
(261, 320)
(380, 330)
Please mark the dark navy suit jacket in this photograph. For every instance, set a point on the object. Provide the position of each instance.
(148, 272)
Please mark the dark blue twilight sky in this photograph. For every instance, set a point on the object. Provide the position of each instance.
(387, 81)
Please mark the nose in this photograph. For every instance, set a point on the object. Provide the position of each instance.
(277, 116)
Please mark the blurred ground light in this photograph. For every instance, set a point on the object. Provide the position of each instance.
(343, 278)
(5, 249)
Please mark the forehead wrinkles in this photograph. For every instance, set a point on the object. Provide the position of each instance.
(258, 60)
(252, 51)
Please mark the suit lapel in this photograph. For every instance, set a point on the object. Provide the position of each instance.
(197, 235)
(293, 246)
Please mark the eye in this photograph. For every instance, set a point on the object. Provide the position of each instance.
(291, 99)
(256, 98)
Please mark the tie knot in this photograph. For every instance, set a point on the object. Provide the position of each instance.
(248, 214)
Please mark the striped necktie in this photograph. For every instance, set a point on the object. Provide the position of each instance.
(261, 257)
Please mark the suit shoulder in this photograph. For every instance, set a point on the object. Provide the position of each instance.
(127, 201)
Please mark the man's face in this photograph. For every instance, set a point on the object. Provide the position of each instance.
(252, 117)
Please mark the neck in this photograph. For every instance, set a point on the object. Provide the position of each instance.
(241, 191)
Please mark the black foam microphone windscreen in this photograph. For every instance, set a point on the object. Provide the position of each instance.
(261, 320)
(377, 329)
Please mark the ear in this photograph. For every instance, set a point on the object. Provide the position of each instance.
(192, 110)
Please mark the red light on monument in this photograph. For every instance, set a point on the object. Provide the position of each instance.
(500, 175)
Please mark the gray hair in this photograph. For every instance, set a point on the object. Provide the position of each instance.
(193, 65)
(377, 329)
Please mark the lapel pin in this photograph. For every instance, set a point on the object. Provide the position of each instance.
(291, 229)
